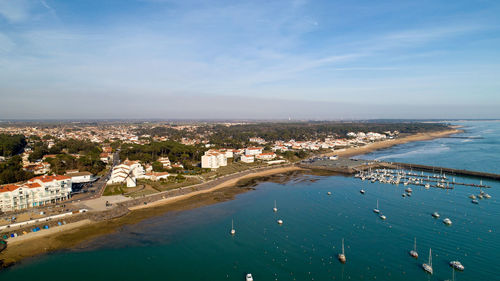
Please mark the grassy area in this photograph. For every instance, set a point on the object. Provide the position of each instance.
(233, 167)
(171, 183)
(115, 189)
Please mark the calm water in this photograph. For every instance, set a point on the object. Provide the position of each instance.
(196, 245)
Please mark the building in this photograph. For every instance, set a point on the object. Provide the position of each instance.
(38, 191)
(128, 172)
(105, 157)
(253, 150)
(257, 140)
(156, 176)
(266, 156)
(213, 159)
(80, 177)
(165, 162)
(247, 158)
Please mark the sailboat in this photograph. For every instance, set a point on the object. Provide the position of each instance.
(341, 256)
(428, 266)
(376, 210)
(275, 209)
(413, 252)
(233, 232)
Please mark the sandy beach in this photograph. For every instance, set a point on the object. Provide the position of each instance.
(75, 233)
(349, 152)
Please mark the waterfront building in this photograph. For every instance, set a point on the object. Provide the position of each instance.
(253, 150)
(213, 159)
(266, 156)
(38, 191)
(247, 158)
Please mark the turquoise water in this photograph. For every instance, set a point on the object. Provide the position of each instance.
(196, 244)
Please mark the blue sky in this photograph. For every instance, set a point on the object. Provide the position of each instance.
(249, 59)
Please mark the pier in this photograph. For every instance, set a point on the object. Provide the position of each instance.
(353, 166)
(448, 171)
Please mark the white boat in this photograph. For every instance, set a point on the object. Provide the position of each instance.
(457, 265)
(249, 277)
(427, 186)
(436, 215)
(474, 201)
(428, 266)
(341, 256)
(329, 193)
(487, 196)
(376, 210)
(383, 217)
(472, 196)
(409, 190)
(414, 252)
(280, 222)
(404, 194)
(275, 209)
(233, 232)
(447, 221)
(362, 191)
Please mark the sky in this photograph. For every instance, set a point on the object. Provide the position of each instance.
(299, 59)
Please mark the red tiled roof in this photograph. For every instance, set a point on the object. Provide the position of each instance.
(9, 187)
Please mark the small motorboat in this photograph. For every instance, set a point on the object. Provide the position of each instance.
(435, 215)
(404, 194)
(409, 190)
(329, 193)
(383, 217)
(457, 265)
(447, 221)
(474, 201)
(362, 191)
(487, 196)
(427, 186)
(280, 222)
(472, 196)
(249, 277)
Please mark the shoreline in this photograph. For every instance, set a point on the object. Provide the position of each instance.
(355, 151)
(78, 232)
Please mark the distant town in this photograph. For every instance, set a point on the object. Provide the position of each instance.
(50, 163)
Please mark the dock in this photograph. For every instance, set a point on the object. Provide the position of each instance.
(353, 166)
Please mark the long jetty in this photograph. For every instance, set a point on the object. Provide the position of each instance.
(352, 166)
(448, 171)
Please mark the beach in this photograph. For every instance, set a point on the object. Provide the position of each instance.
(354, 151)
(75, 233)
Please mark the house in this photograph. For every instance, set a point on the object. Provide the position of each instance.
(128, 172)
(247, 158)
(105, 157)
(156, 176)
(165, 162)
(38, 191)
(253, 150)
(107, 149)
(266, 156)
(257, 140)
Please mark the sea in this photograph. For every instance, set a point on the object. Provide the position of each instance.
(197, 245)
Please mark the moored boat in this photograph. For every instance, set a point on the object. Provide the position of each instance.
(249, 277)
(376, 210)
(457, 265)
(341, 256)
(447, 221)
(428, 266)
(435, 215)
(414, 252)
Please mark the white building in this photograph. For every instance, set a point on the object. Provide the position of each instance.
(213, 159)
(127, 172)
(80, 177)
(165, 162)
(35, 192)
(247, 158)
(257, 140)
(266, 156)
(156, 176)
(253, 150)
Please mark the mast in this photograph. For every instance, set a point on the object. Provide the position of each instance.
(232, 224)
(343, 246)
(430, 257)
(415, 245)
(377, 204)
(275, 204)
